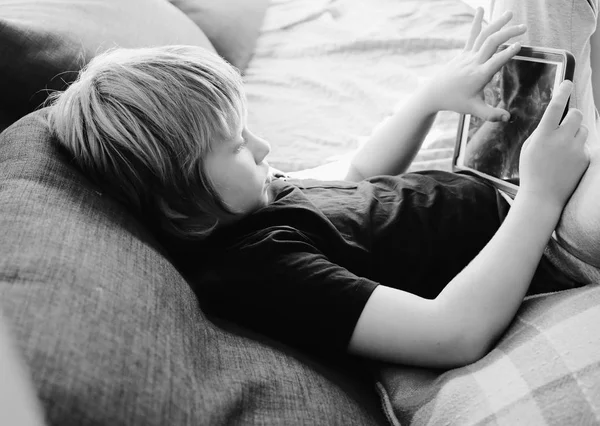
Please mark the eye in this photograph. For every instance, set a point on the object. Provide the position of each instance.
(241, 146)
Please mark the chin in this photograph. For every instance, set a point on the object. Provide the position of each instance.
(266, 198)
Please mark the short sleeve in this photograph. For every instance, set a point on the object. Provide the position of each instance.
(279, 284)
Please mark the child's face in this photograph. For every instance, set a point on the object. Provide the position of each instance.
(239, 172)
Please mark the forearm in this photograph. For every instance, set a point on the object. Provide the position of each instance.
(481, 301)
(394, 144)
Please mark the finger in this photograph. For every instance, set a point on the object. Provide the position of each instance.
(582, 134)
(475, 28)
(572, 122)
(492, 28)
(497, 60)
(556, 107)
(491, 45)
(489, 113)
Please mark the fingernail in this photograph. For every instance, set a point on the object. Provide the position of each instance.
(505, 117)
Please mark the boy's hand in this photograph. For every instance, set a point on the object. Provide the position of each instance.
(555, 156)
(459, 86)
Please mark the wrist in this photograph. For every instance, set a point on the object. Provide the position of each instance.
(544, 210)
(428, 99)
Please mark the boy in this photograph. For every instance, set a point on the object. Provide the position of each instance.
(372, 265)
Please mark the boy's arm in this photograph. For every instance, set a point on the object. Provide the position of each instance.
(468, 316)
(458, 327)
(393, 145)
(458, 87)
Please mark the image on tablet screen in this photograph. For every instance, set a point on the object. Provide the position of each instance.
(523, 88)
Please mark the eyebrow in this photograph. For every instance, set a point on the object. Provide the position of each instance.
(236, 129)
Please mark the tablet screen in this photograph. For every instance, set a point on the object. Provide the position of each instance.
(523, 87)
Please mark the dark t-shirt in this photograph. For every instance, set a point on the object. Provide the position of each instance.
(302, 269)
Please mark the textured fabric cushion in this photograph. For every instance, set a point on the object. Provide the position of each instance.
(111, 332)
(544, 371)
(43, 43)
(231, 25)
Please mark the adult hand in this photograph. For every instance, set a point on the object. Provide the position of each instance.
(459, 86)
(555, 156)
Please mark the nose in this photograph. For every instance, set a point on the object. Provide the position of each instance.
(260, 148)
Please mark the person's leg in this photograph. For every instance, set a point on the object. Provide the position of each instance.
(595, 65)
(560, 24)
(570, 25)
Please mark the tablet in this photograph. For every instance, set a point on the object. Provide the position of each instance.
(523, 87)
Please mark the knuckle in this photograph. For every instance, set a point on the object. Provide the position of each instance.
(494, 39)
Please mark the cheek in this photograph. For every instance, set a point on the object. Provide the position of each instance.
(239, 191)
(237, 182)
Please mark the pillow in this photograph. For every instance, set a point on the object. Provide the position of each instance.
(113, 335)
(43, 43)
(544, 370)
(232, 26)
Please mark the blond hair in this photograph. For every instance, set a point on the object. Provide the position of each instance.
(140, 121)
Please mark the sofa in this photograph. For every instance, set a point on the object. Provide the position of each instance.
(109, 331)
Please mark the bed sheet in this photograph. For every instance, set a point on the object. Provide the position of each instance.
(325, 73)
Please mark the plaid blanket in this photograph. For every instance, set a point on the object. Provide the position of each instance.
(544, 371)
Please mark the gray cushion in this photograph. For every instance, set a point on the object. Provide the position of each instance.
(112, 333)
(44, 43)
(232, 26)
(544, 371)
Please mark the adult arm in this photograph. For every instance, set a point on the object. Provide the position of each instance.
(467, 317)
(458, 87)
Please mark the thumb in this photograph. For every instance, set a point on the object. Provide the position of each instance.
(486, 112)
